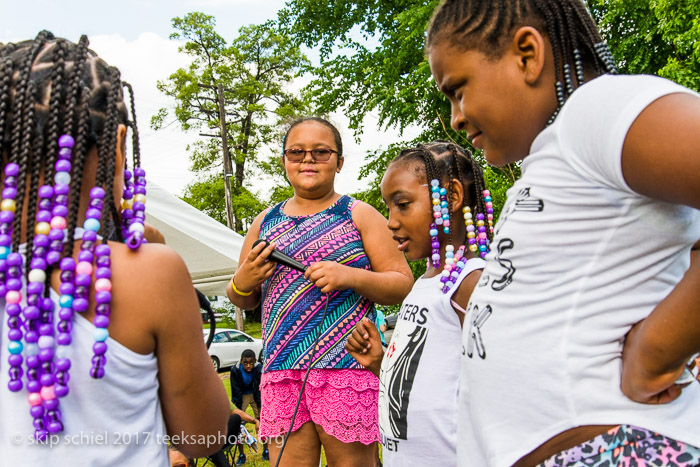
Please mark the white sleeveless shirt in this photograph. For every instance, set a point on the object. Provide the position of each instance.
(419, 379)
(113, 421)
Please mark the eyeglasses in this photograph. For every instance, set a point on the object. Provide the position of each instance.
(319, 155)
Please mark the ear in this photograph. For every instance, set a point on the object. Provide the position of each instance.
(341, 160)
(121, 147)
(529, 46)
(457, 195)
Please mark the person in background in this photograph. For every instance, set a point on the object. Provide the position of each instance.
(245, 391)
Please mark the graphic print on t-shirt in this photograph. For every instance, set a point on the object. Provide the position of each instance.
(501, 271)
(401, 362)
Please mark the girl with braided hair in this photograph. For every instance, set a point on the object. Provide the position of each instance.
(439, 209)
(588, 311)
(100, 341)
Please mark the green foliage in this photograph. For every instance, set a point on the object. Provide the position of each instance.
(255, 71)
(372, 60)
(659, 37)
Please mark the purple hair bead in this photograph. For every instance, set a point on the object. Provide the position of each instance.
(99, 348)
(12, 169)
(66, 141)
(61, 189)
(101, 321)
(63, 165)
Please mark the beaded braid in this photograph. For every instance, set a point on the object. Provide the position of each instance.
(41, 98)
(486, 25)
(134, 197)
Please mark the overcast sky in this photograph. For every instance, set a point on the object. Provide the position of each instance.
(133, 36)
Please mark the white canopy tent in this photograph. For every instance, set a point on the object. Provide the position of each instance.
(209, 248)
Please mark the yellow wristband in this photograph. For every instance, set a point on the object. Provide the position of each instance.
(242, 294)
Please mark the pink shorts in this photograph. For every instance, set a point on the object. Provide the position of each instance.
(343, 402)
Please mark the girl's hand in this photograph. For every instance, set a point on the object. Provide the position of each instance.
(642, 386)
(365, 345)
(329, 276)
(256, 268)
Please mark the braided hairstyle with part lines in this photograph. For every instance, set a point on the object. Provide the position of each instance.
(446, 161)
(488, 25)
(60, 106)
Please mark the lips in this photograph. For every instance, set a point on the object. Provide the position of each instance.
(475, 139)
(403, 242)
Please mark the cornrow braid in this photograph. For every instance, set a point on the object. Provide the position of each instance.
(74, 92)
(5, 75)
(55, 106)
(110, 216)
(134, 127)
(78, 162)
(34, 149)
(487, 26)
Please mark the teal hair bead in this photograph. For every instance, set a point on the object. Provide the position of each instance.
(91, 224)
(487, 199)
(15, 347)
(443, 191)
(66, 301)
(100, 334)
(482, 247)
(4, 252)
(447, 230)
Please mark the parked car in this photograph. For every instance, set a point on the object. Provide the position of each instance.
(227, 346)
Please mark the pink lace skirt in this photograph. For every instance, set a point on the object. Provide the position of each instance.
(343, 402)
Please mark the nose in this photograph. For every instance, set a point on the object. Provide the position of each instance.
(392, 223)
(308, 158)
(458, 121)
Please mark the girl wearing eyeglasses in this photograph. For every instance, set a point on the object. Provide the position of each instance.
(350, 268)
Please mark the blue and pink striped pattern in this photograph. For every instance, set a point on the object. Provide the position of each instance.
(293, 307)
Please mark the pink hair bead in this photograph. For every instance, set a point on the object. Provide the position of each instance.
(48, 393)
(446, 223)
(58, 223)
(84, 267)
(103, 285)
(35, 399)
(13, 297)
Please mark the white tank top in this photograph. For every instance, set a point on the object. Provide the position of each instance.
(419, 379)
(113, 421)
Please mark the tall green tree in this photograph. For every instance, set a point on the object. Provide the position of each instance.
(254, 73)
(372, 60)
(658, 37)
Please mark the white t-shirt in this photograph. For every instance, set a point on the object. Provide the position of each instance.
(577, 259)
(418, 383)
(114, 421)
